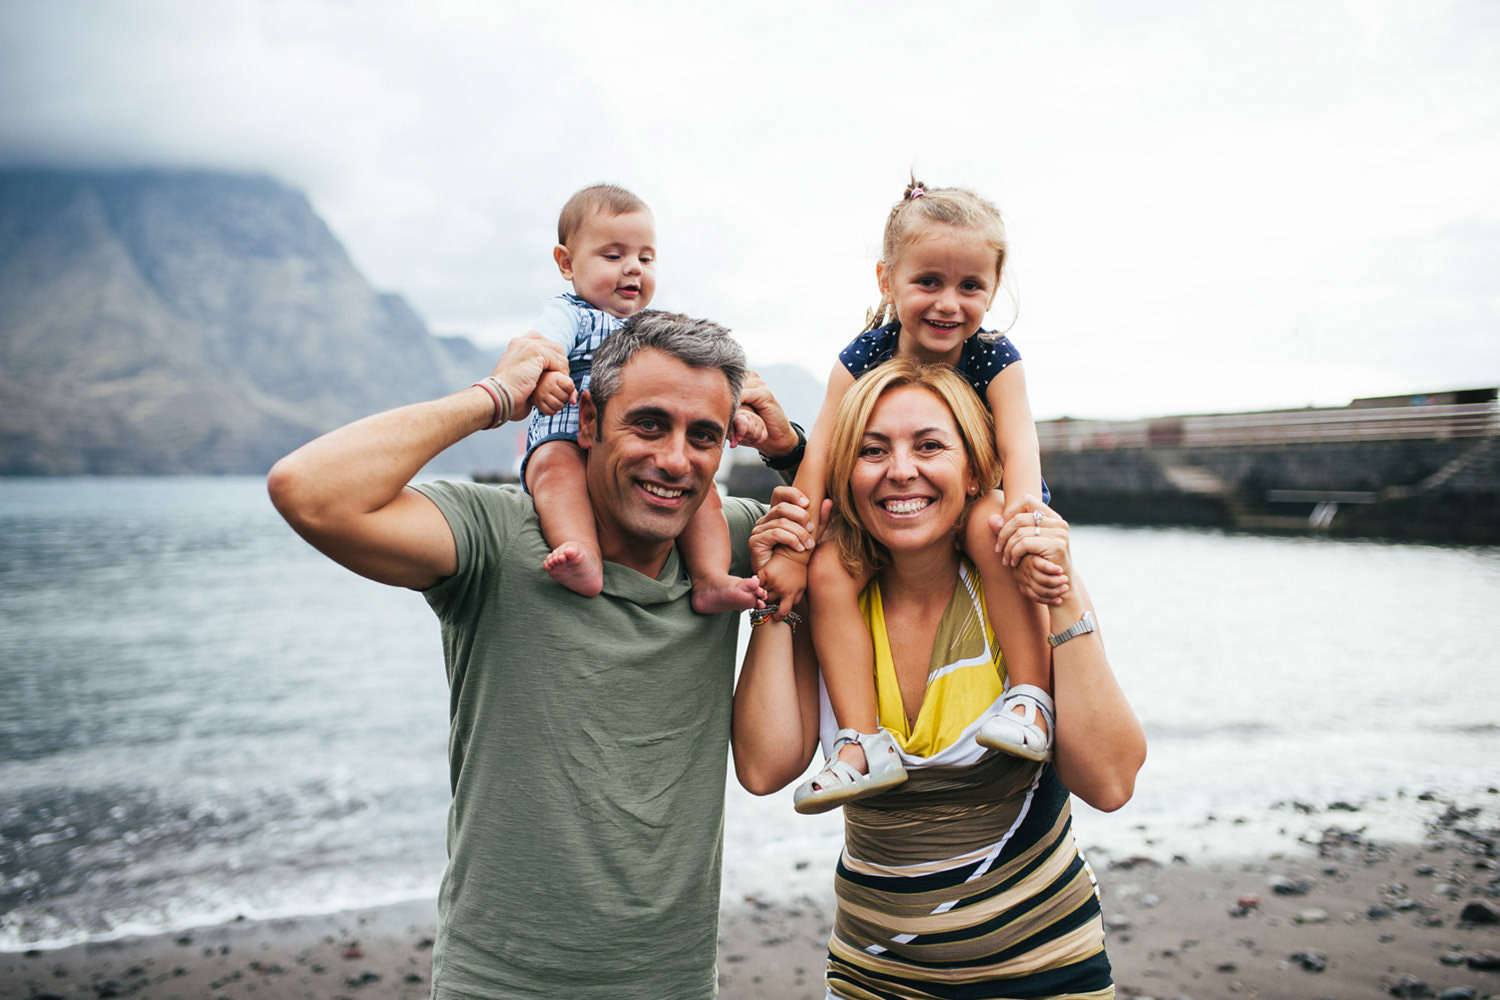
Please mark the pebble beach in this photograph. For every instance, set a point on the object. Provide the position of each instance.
(180, 832)
(1342, 915)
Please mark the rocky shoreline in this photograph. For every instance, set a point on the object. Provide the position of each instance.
(1353, 918)
(1345, 915)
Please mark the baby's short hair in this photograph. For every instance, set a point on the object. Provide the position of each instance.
(607, 198)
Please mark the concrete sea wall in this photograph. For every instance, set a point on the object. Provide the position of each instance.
(1415, 490)
(1417, 468)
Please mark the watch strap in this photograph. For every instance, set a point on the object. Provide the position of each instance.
(1082, 626)
(793, 458)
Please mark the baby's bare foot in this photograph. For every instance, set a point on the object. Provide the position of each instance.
(728, 593)
(575, 569)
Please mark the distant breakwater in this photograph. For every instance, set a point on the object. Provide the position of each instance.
(1376, 489)
(1412, 468)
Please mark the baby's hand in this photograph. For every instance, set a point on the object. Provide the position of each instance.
(554, 390)
(747, 428)
(1040, 580)
(784, 576)
(780, 544)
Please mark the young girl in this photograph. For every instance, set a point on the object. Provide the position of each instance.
(606, 248)
(941, 262)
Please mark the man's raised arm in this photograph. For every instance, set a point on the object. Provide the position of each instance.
(346, 492)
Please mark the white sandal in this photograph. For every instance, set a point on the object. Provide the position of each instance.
(841, 783)
(1019, 735)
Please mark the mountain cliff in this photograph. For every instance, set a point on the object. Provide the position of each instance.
(194, 322)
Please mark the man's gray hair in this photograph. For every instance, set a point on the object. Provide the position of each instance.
(698, 343)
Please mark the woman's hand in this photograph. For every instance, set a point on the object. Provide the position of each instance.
(786, 525)
(1034, 543)
(782, 567)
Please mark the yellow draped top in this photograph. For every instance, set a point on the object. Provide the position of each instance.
(965, 677)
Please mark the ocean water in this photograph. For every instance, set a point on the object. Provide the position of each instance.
(202, 718)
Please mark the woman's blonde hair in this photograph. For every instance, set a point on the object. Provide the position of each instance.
(857, 549)
(912, 219)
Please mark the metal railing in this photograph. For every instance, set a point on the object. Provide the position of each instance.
(1282, 427)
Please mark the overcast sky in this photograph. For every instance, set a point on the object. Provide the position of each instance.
(1212, 205)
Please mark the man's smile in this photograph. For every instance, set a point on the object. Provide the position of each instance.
(666, 492)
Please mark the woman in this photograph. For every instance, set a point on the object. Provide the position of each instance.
(964, 881)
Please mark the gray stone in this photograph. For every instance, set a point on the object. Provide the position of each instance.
(1284, 886)
(1479, 911)
(1408, 987)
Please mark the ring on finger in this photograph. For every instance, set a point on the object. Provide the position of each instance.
(1037, 518)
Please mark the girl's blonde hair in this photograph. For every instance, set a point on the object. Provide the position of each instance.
(912, 219)
(858, 550)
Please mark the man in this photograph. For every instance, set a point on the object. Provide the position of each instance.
(588, 735)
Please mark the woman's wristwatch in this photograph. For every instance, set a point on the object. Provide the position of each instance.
(1082, 626)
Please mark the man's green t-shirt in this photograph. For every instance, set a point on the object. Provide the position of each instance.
(587, 755)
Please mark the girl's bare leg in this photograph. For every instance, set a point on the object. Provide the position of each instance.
(1020, 624)
(846, 654)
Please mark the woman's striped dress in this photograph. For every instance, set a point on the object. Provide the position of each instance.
(964, 882)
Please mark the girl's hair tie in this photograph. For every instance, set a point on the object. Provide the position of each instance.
(915, 193)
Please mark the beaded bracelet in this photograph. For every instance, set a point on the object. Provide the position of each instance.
(491, 385)
(760, 616)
